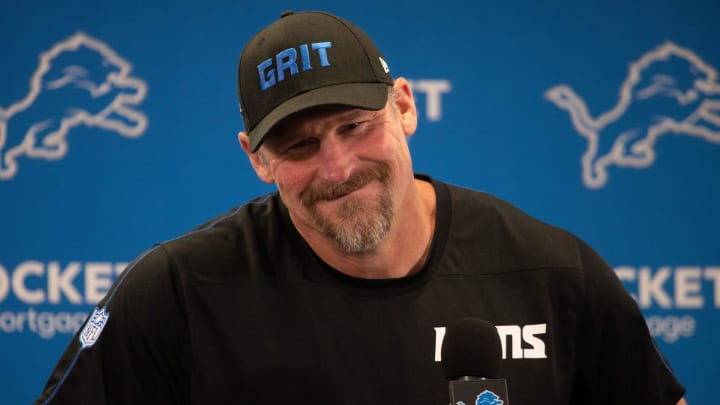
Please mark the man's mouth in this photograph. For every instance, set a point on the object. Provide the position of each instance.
(358, 180)
(340, 195)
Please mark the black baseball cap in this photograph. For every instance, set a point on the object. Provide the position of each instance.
(305, 60)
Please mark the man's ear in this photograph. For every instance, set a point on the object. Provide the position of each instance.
(405, 105)
(261, 169)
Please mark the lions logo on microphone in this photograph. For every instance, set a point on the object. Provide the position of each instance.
(486, 398)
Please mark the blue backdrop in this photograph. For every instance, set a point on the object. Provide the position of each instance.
(118, 125)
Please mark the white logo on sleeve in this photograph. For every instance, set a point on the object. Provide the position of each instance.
(93, 327)
(669, 90)
(79, 81)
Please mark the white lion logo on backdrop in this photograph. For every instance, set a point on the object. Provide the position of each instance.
(668, 90)
(79, 81)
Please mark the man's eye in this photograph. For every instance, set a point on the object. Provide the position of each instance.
(352, 126)
(303, 144)
(301, 149)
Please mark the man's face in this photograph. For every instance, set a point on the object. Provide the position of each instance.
(342, 173)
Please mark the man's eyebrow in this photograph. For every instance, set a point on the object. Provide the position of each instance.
(356, 113)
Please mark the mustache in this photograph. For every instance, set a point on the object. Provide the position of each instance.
(330, 191)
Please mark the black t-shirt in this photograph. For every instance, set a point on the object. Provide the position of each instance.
(242, 311)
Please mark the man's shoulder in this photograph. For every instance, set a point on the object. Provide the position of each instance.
(514, 239)
(245, 220)
(231, 240)
(492, 209)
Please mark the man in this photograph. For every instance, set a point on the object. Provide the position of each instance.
(336, 289)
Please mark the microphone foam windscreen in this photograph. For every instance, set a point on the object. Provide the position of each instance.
(471, 348)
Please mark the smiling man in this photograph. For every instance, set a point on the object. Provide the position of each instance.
(337, 288)
(346, 177)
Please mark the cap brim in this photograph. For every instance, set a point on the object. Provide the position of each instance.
(368, 96)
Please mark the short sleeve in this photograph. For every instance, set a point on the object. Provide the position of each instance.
(134, 348)
(617, 361)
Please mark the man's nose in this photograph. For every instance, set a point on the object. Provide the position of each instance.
(336, 160)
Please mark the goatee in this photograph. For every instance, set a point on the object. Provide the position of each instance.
(360, 226)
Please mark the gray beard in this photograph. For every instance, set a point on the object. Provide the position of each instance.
(358, 229)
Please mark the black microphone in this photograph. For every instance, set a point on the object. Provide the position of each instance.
(471, 354)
